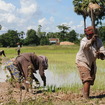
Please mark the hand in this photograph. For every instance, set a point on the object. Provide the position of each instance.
(100, 55)
(94, 37)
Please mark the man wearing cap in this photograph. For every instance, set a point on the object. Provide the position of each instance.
(91, 48)
(27, 64)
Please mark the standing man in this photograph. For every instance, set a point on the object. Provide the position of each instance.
(18, 49)
(91, 48)
(27, 64)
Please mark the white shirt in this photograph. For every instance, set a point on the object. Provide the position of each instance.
(86, 55)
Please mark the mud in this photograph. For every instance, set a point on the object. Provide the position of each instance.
(8, 93)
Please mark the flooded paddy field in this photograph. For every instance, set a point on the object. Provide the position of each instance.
(62, 72)
(52, 79)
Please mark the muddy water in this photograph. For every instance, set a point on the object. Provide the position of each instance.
(59, 80)
(3, 74)
(52, 79)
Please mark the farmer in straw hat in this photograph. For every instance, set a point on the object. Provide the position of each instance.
(24, 65)
(91, 48)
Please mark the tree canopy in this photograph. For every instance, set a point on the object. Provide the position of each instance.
(32, 38)
(9, 39)
(81, 7)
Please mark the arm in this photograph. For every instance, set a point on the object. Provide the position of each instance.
(43, 65)
(85, 43)
(42, 74)
(101, 51)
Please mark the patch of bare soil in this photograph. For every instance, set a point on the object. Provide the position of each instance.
(7, 93)
(66, 43)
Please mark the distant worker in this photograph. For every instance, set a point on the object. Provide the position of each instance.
(18, 48)
(2, 53)
(91, 48)
(25, 65)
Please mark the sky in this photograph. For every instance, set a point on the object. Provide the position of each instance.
(22, 15)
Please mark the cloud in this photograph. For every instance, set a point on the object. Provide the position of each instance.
(7, 12)
(48, 25)
(51, 19)
(81, 24)
(9, 18)
(42, 21)
(29, 14)
(77, 27)
(6, 7)
(28, 7)
(12, 17)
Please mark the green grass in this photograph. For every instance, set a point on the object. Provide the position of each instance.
(61, 60)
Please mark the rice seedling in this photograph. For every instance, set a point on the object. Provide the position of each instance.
(62, 74)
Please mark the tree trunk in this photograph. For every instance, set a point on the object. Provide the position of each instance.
(84, 17)
(93, 20)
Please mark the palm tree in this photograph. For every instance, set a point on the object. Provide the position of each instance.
(63, 28)
(81, 7)
(39, 31)
(63, 32)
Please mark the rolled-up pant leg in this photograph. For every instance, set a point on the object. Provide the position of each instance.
(86, 74)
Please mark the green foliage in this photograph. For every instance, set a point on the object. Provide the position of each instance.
(44, 41)
(32, 38)
(52, 35)
(81, 8)
(72, 36)
(9, 39)
(63, 28)
(102, 33)
(64, 35)
(39, 31)
(61, 61)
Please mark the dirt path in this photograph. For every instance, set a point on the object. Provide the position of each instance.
(8, 93)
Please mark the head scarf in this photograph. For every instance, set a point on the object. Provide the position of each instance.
(45, 61)
(89, 30)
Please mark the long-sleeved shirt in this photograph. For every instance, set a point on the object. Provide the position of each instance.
(86, 55)
(25, 60)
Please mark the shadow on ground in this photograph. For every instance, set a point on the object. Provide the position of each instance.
(98, 96)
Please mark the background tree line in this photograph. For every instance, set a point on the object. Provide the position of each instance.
(34, 38)
(38, 37)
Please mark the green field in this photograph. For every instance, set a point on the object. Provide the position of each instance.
(61, 60)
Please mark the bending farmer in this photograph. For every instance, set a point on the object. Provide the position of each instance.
(27, 64)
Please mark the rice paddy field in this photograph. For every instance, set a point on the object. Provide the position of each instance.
(62, 73)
